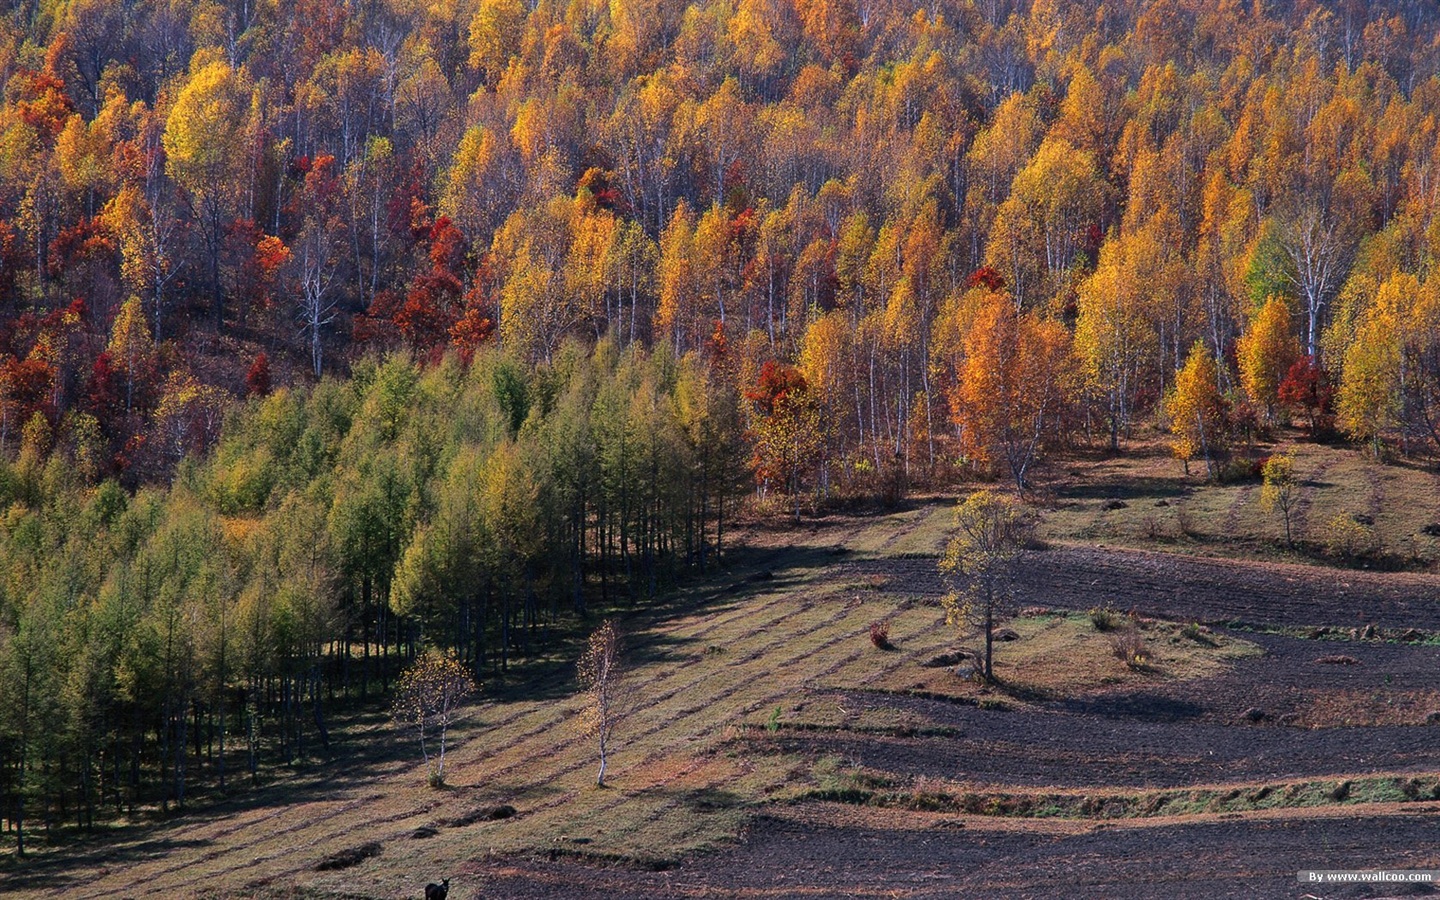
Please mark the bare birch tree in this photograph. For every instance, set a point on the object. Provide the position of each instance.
(607, 690)
(317, 272)
(1321, 248)
(428, 700)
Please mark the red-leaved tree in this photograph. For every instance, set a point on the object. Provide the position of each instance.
(1306, 389)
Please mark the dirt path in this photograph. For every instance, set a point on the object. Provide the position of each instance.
(1243, 498)
(1300, 521)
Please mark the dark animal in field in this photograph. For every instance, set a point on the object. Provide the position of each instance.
(437, 891)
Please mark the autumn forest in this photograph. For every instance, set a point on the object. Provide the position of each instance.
(335, 329)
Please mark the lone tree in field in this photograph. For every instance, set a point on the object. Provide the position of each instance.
(1281, 491)
(607, 699)
(980, 562)
(428, 700)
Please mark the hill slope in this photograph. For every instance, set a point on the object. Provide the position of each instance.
(1069, 775)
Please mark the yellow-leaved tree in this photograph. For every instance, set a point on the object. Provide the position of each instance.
(495, 35)
(1380, 364)
(477, 188)
(1197, 410)
(1113, 338)
(1281, 490)
(1039, 229)
(1368, 400)
(204, 154)
(131, 349)
(1265, 353)
(679, 288)
(530, 251)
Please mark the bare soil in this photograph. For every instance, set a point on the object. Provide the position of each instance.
(808, 853)
(1192, 588)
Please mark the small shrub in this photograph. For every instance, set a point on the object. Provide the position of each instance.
(1239, 470)
(1152, 528)
(1129, 647)
(1185, 520)
(894, 483)
(880, 634)
(1106, 619)
(1338, 659)
(352, 856)
(1348, 539)
(772, 724)
(1200, 635)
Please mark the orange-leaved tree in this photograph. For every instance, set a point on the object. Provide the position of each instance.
(1012, 385)
(786, 431)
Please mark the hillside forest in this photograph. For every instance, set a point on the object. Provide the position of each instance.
(332, 330)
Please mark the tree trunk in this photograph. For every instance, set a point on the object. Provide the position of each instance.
(989, 637)
(317, 710)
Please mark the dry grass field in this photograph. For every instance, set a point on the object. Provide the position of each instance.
(1144, 499)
